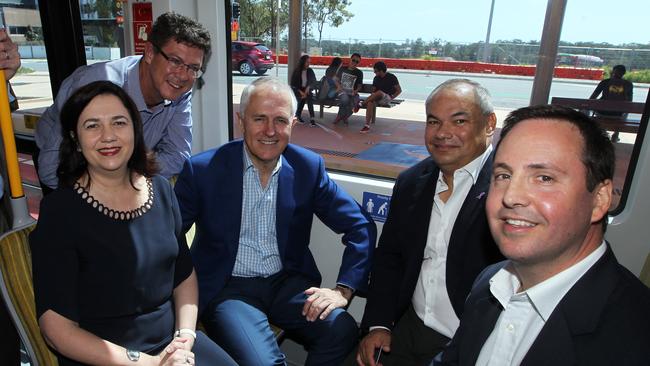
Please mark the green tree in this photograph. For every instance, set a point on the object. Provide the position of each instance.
(258, 19)
(330, 12)
(106, 8)
(34, 34)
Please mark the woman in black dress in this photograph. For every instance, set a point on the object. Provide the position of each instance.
(113, 279)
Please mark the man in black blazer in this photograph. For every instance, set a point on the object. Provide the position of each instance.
(561, 298)
(436, 238)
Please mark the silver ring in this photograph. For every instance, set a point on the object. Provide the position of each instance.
(6, 55)
(187, 359)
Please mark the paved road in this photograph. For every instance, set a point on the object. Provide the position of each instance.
(507, 92)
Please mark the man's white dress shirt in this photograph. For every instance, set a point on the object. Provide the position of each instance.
(430, 298)
(525, 313)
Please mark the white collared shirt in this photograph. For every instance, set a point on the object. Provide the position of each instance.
(525, 313)
(430, 298)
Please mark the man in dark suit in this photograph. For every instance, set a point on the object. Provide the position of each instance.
(253, 203)
(561, 298)
(436, 238)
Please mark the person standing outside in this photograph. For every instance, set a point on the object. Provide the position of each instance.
(350, 82)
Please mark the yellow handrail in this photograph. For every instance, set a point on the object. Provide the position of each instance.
(11, 156)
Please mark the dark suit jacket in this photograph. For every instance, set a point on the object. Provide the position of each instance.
(604, 319)
(398, 258)
(209, 191)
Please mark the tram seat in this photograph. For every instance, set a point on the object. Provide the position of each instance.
(645, 272)
(615, 124)
(18, 294)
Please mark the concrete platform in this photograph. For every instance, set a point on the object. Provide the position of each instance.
(395, 142)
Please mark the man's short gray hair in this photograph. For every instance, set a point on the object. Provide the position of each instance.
(267, 82)
(482, 96)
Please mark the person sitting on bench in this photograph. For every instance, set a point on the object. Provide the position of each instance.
(385, 88)
(614, 88)
(350, 83)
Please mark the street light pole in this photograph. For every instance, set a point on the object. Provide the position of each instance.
(486, 46)
(277, 38)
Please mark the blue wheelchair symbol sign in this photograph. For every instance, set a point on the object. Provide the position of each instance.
(376, 205)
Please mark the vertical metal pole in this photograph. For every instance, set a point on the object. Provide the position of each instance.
(13, 171)
(18, 201)
(548, 52)
(486, 46)
(293, 48)
(277, 38)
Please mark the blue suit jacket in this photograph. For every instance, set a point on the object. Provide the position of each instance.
(604, 319)
(209, 191)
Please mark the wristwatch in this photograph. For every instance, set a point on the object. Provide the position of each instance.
(132, 355)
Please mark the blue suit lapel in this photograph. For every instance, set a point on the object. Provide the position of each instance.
(230, 200)
(285, 205)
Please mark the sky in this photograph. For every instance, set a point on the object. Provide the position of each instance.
(467, 20)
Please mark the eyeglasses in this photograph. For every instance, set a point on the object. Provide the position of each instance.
(355, 60)
(177, 64)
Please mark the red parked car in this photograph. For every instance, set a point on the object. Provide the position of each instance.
(251, 56)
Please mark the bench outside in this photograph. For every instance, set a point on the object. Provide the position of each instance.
(365, 89)
(609, 123)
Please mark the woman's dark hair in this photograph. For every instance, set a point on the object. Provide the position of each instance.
(300, 67)
(72, 163)
(336, 62)
(302, 61)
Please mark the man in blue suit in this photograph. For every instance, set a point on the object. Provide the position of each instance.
(561, 298)
(253, 203)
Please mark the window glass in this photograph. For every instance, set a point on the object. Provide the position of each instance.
(426, 43)
(102, 22)
(103, 29)
(590, 48)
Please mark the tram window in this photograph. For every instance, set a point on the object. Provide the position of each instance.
(423, 54)
(103, 29)
(396, 140)
(604, 48)
(32, 82)
(103, 38)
